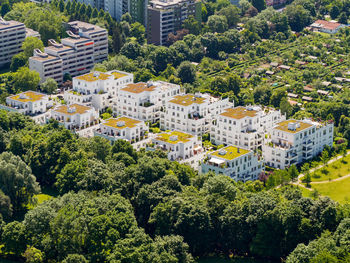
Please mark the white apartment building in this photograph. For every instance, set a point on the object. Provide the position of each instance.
(75, 116)
(238, 163)
(294, 141)
(192, 113)
(244, 126)
(31, 103)
(98, 34)
(123, 128)
(97, 89)
(144, 101)
(12, 35)
(179, 145)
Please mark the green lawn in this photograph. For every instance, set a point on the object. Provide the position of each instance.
(338, 191)
(40, 199)
(305, 192)
(332, 171)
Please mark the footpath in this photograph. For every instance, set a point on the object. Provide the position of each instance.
(299, 183)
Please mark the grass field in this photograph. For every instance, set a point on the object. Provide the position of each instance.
(332, 171)
(338, 191)
(40, 199)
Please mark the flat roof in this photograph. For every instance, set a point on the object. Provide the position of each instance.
(8, 24)
(187, 99)
(121, 123)
(79, 109)
(59, 48)
(283, 126)
(117, 75)
(239, 113)
(230, 152)
(39, 58)
(93, 76)
(28, 96)
(86, 27)
(76, 40)
(138, 87)
(174, 137)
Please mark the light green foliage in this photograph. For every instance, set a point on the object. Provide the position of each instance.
(25, 79)
(49, 86)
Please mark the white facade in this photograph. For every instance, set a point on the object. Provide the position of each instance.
(97, 89)
(192, 113)
(12, 35)
(144, 101)
(29, 102)
(294, 141)
(180, 145)
(244, 126)
(238, 163)
(123, 128)
(75, 116)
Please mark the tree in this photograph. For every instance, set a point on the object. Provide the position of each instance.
(298, 17)
(14, 238)
(125, 147)
(61, 5)
(17, 61)
(33, 255)
(17, 180)
(75, 258)
(138, 31)
(5, 206)
(335, 12)
(285, 107)
(186, 72)
(192, 25)
(217, 23)
(127, 18)
(26, 79)
(307, 179)
(49, 86)
(343, 18)
(324, 157)
(231, 13)
(94, 13)
(259, 4)
(131, 50)
(117, 39)
(5, 8)
(293, 172)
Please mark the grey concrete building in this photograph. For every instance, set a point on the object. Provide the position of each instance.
(12, 35)
(166, 16)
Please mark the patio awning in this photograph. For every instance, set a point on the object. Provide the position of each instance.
(216, 161)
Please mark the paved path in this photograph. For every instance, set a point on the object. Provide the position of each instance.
(298, 183)
(321, 166)
(333, 180)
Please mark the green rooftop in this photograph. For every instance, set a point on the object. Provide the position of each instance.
(174, 137)
(230, 152)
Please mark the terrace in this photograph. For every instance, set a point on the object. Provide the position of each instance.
(230, 152)
(174, 137)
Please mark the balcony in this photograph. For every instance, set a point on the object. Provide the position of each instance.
(146, 104)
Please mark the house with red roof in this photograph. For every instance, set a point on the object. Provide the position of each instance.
(330, 27)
